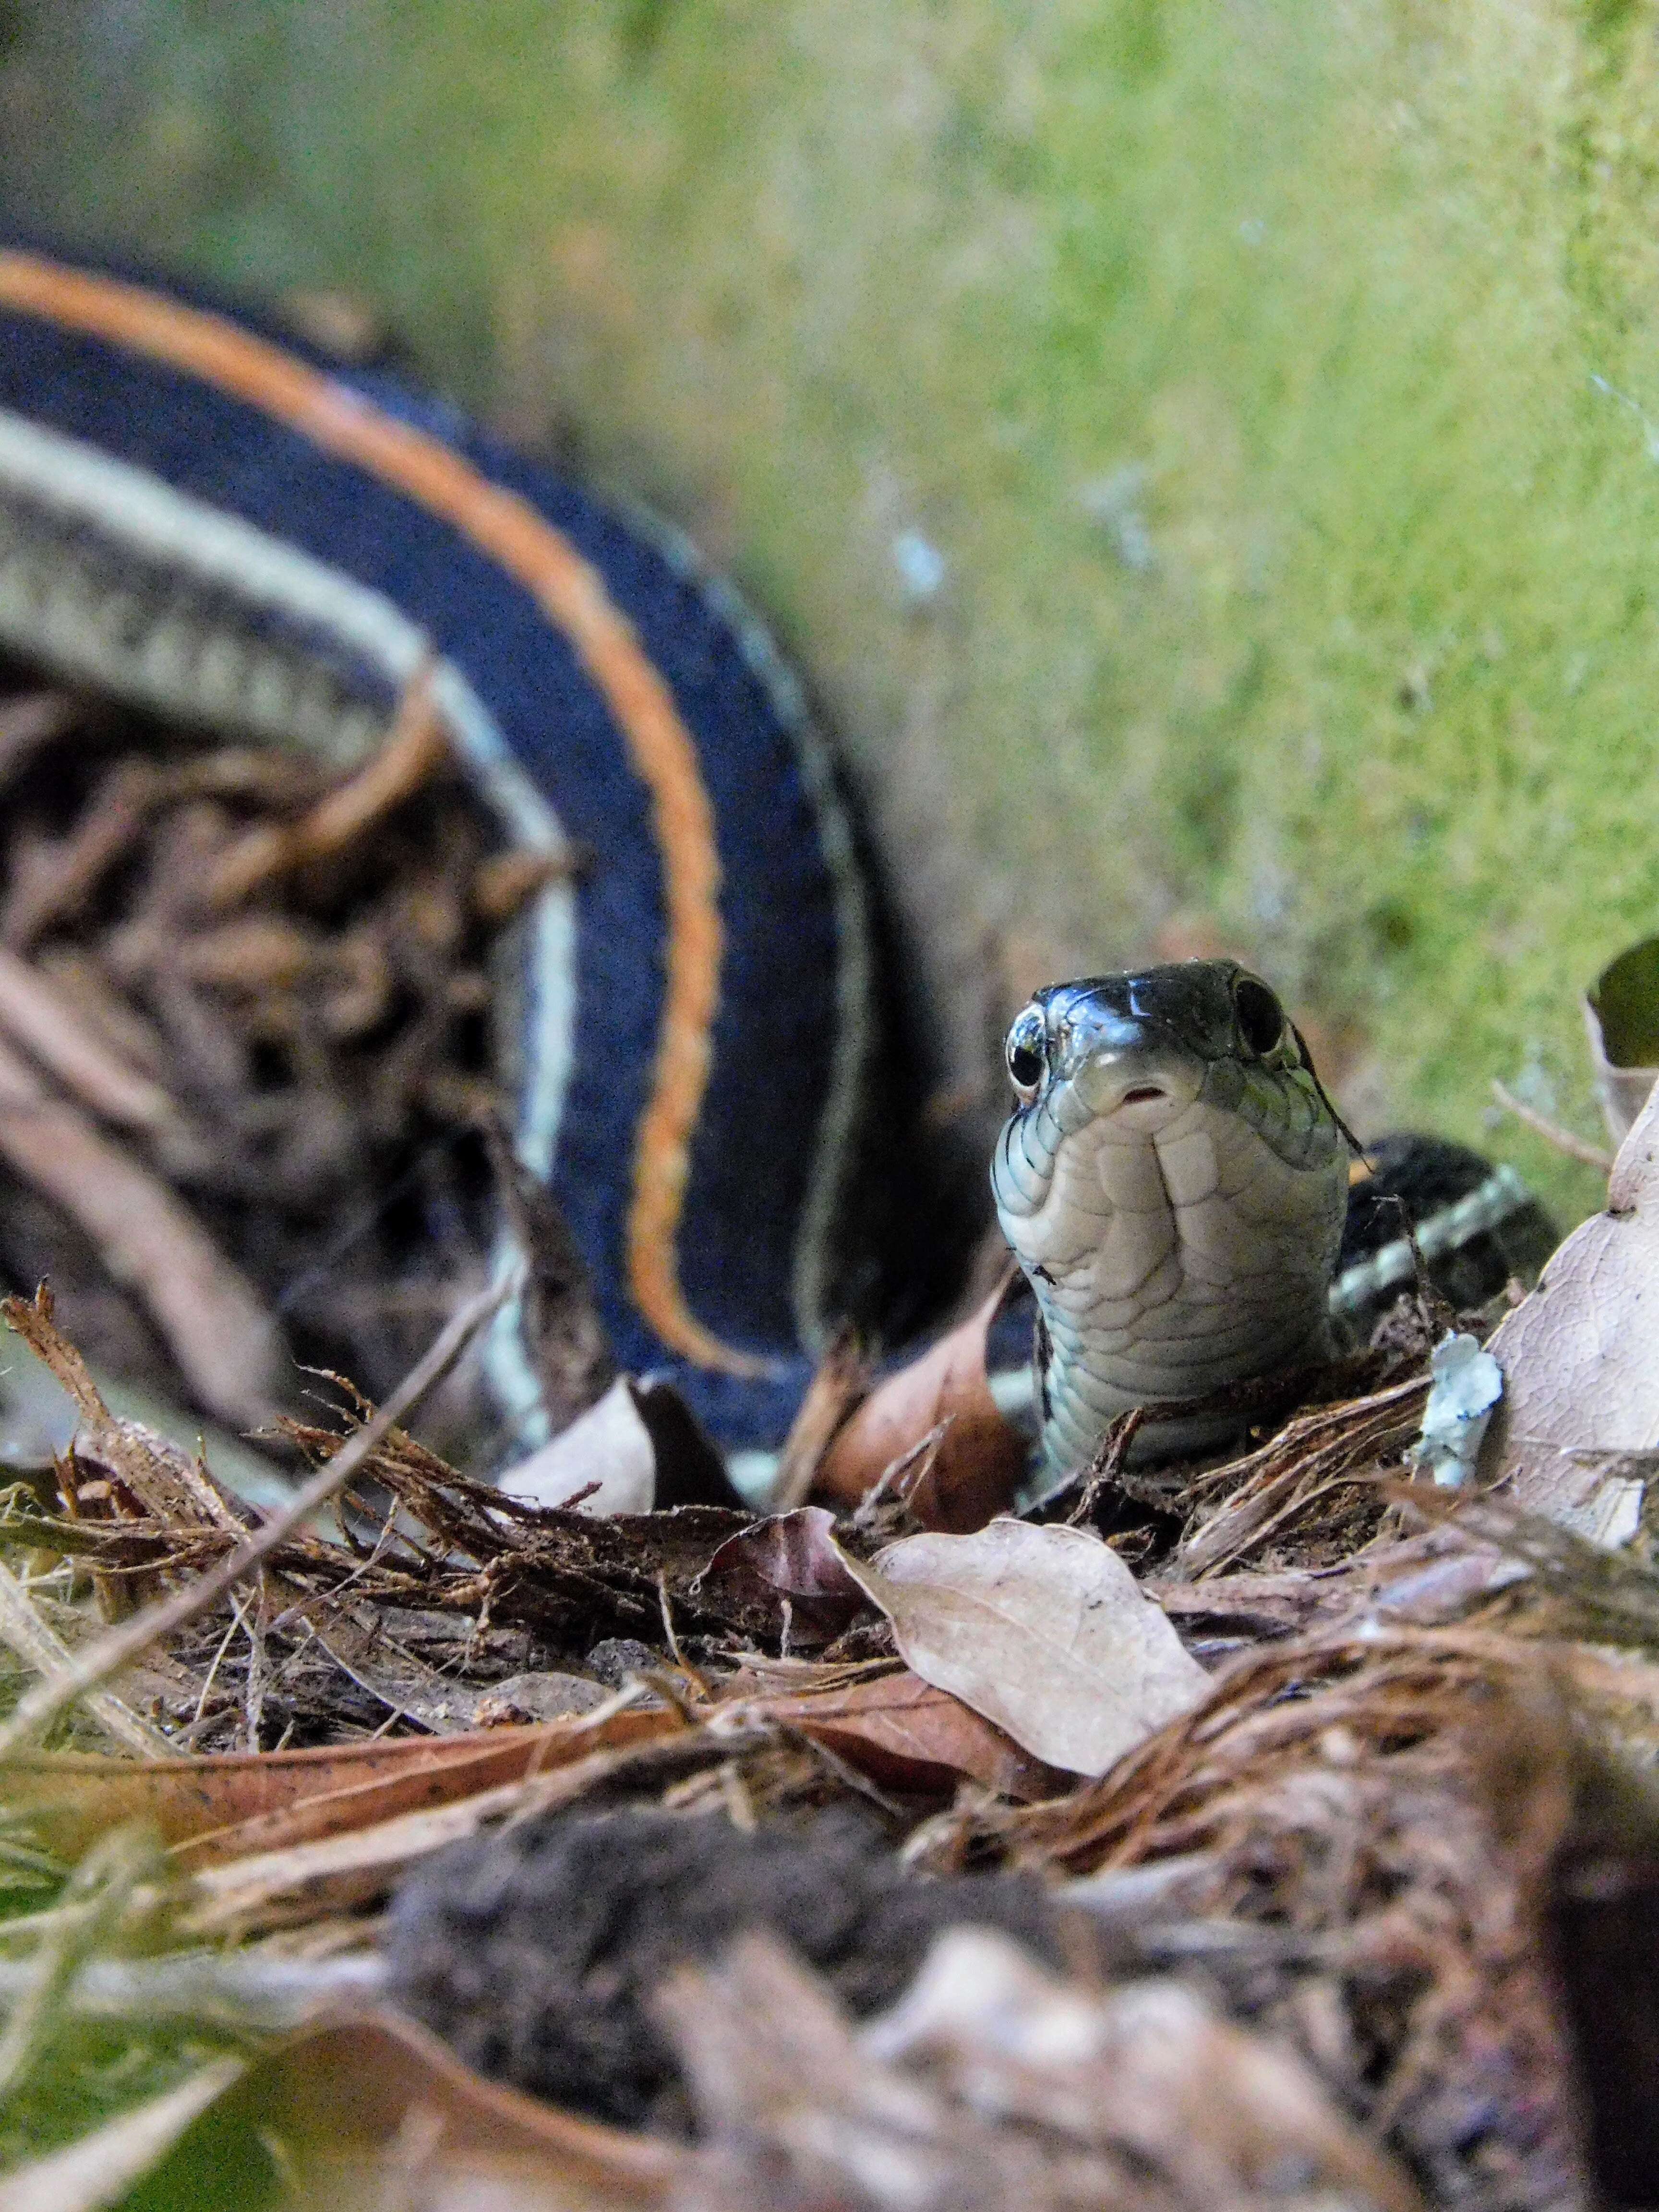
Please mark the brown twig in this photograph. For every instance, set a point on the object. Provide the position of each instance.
(36, 1015)
(216, 1326)
(30, 722)
(1576, 1148)
(415, 747)
(65, 874)
(1107, 1465)
(120, 1646)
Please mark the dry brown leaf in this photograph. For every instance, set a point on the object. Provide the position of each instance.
(1043, 1630)
(840, 1383)
(348, 2108)
(1581, 1383)
(793, 1560)
(216, 1807)
(355, 2084)
(903, 1732)
(603, 1463)
(981, 1457)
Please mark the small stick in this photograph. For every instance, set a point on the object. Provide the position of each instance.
(1576, 1148)
(37, 1015)
(213, 1320)
(30, 722)
(417, 746)
(65, 873)
(120, 1646)
(1111, 1455)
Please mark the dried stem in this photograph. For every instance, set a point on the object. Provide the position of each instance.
(94, 1666)
(213, 1320)
(415, 747)
(1576, 1148)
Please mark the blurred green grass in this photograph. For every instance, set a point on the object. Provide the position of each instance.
(1237, 363)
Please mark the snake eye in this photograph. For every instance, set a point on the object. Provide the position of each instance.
(1026, 1057)
(1260, 1016)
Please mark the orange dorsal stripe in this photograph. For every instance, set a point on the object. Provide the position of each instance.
(572, 594)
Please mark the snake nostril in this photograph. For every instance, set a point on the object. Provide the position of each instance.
(1142, 1092)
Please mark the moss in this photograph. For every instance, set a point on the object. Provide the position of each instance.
(1241, 363)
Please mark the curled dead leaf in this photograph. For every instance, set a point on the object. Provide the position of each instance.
(1581, 1385)
(980, 1457)
(605, 1462)
(903, 1733)
(793, 1560)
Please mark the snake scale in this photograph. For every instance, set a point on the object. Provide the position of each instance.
(202, 515)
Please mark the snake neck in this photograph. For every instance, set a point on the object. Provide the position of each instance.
(1169, 1264)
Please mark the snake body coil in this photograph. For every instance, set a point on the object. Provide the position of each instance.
(205, 517)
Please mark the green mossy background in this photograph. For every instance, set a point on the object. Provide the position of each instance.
(1276, 385)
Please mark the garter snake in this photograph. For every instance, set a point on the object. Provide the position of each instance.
(202, 516)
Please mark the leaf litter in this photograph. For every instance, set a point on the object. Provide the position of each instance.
(1279, 1833)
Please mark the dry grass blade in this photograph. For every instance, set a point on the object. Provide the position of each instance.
(1313, 1455)
(336, 1873)
(99, 2169)
(1576, 1148)
(93, 1906)
(122, 1645)
(29, 1637)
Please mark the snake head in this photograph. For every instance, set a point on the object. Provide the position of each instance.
(1133, 1053)
(1173, 1182)
(1142, 1044)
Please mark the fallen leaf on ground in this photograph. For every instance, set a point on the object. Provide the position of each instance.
(1043, 1630)
(340, 2111)
(840, 1383)
(981, 1457)
(1580, 1384)
(603, 1463)
(903, 1732)
(209, 1808)
(793, 1559)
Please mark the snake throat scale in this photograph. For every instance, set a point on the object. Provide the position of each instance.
(205, 517)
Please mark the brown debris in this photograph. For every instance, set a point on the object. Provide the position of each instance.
(1374, 1843)
(245, 1011)
(974, 1464)
(415, 748)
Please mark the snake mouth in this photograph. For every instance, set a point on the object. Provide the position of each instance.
(1137, 1083)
